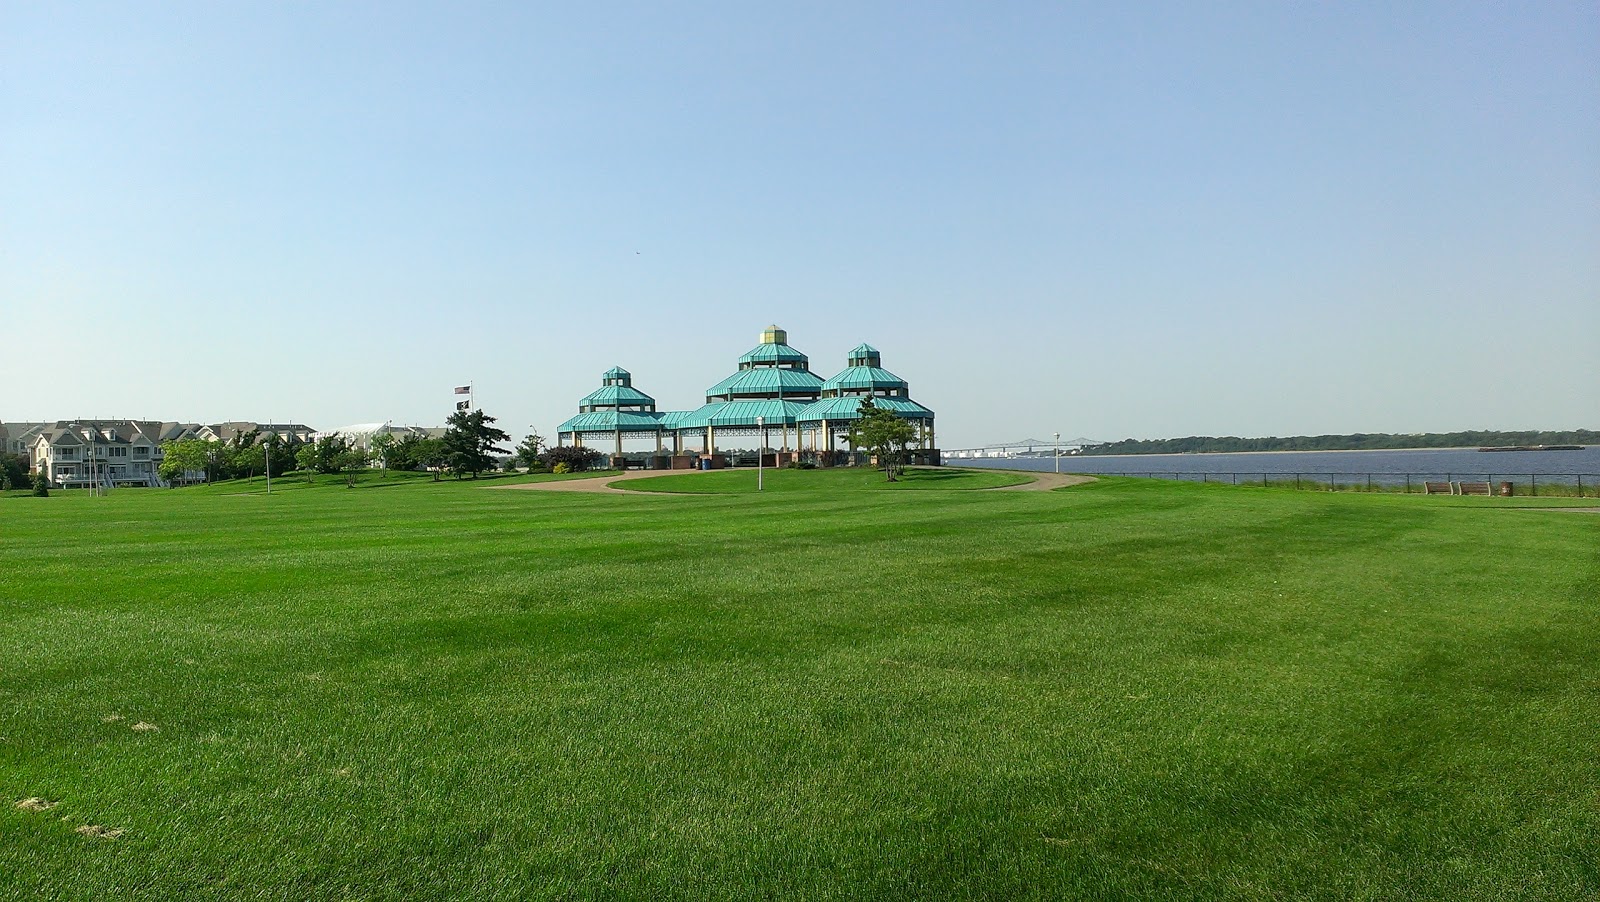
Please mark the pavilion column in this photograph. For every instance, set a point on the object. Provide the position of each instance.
(658, 442)
(711, 441)
(619, 439)
(677, 443)
(930, 435)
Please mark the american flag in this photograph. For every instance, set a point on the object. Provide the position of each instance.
(463, 389)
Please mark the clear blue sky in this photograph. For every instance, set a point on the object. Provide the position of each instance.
(1108, 220)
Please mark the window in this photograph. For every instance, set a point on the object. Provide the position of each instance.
(66, 453)
(118, 451)
(141, 451)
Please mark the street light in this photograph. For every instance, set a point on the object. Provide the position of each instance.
(761, 452)
(1058, 452)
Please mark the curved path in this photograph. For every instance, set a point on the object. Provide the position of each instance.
(1043, 482)
(600, 483)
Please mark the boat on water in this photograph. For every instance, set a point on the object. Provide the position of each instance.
(1533, 448)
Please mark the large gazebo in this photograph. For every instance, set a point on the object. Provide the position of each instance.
(772, 396)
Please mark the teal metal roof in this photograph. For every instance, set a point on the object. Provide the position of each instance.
(673, 419)
(612, 395)
(732, 414)
(607, 421)
(862, 378)
(849, 408)
(767, 380)
(864, 355)
(617, 372)
(773, 353)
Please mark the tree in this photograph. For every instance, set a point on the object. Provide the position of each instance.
(382, 449)
(527, 453)
(471, 442)
(183, 456)
(280, 452)
(885, 434)
(306, 459)
(349, 461)
(14, 471)
(431, 454)
(248, 460)
(575, 457)
(41, 485)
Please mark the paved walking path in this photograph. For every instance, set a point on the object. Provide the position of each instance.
(1044, 482)
(600, 483)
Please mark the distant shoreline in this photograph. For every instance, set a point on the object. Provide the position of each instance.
(1312, 451)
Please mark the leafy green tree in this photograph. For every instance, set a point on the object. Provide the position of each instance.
(280, 452)
(471, 442)
(349, 461)
(184, 455)
(527, 453)
(41, 485)
(248, 460)
(575, 458)
(306, 459)
(325, 454)
(885, 434)
(383, 445)
(432, 455)
(14, 471)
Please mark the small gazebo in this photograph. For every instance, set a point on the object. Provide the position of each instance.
(832, 414)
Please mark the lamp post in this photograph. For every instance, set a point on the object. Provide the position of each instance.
(1058, 452)
(761, 452)
(266, 448)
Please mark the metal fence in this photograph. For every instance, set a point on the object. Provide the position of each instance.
(1580, 485)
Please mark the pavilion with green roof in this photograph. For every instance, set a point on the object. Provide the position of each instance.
(772, 391)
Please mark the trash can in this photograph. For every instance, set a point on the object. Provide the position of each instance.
(1506, 489)
(705, 463)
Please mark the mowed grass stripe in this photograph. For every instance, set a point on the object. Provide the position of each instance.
(1122, 689)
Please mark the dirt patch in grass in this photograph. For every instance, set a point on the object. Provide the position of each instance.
(36, 804)
(142, 727)
(95, 831)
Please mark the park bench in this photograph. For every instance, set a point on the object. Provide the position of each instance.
(1438, 488)
(1474, 488)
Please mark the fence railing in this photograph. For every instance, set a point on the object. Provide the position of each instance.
(1580, 485)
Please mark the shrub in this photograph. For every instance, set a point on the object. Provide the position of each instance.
(561, 468)
(576, 459)
(41, 485)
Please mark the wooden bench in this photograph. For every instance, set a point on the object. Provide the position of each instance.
(1473, 488)
(1438, 488)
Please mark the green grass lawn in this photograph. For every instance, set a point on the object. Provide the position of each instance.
(844, 479)
(1128, 689)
